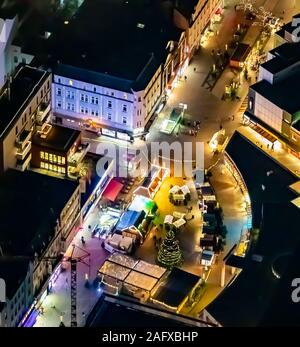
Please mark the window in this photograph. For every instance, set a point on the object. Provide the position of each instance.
(70, 82)
(124, 109)
(97, 113)
(54, 158)
(109, 116)
(81, 109)
(58, 91)
(86, 99)
(17, 131)
(42, 94)
(124, 120)
(68, 106)
(50, 158)
(63, 170)
(81, 97)
(125, 96)
(251, 104)
(58, 104)
(95, 89)
(42, 155)
(96, 101)
(63, 160)
(48, 84)
(70, 94)
(92, 100)
(59, 80)
(139, 99)
(59, 159)
(30, 111)
(112, 94)
(93, 112)
(46, 166)
(23, 61)
(42, 165)
(86, 110)
(46, 156)
(73, 107)
(109, 104)
(16, 59)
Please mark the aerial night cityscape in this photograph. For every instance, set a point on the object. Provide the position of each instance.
(149, 166)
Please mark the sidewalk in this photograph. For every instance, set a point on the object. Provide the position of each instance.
(280, 155)
(60, 296)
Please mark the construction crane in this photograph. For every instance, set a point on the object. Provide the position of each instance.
(74, 260)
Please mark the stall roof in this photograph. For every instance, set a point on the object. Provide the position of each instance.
(140, 280)
(179, 223)
(112, 190)
(168, 219)
(114, 270)
(176, 288)
(150, 269)
(122, 259)
(130, 218)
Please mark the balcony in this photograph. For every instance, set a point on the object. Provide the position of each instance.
(77, 157)
(22, 153)
(23, 164)
(42, 113)
(23, 138)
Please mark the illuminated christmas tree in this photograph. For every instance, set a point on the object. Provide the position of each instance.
(169, 254)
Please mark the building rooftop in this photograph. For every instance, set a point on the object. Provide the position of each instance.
(30, 204)
(111, 314)
(13, 270)
(123, 39)
(59, 139)
(289, 28)
(253, 296)
(23, 87)
(176, 287)
(283, 93)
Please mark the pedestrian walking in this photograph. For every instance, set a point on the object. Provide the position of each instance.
(185, 78)
(195, 69)
(233, 117)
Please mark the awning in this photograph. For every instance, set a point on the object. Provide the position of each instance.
(112, 190)
(263, 132)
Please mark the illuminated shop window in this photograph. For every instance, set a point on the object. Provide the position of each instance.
(42, 155)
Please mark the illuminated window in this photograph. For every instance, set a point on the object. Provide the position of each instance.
(54, 168)
(46, 156)
(54, 158)
(46, 166)
(63, 160)
(50, 167)
(59, 169)
(42, 155)
(63, 170)
(59, 159)
(50, 158)
(42, 165)
(70, 82)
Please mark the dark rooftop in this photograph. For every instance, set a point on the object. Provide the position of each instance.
(59, 139)
(255, 297)
(241, 52)
(30, 204)
(13, 270)
(177, 286)
(23, 87)
(124, 39)
(287, 27)
(108, 314)
(283, 94)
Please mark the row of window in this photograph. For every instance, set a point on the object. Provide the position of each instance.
(55, 168)
(53, 158)
(85, 98)
(70, 94)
